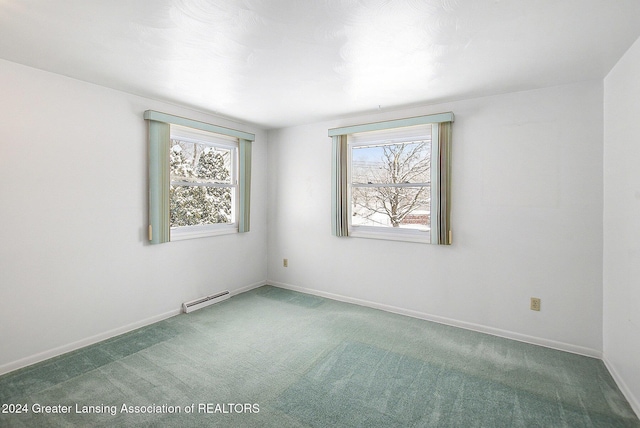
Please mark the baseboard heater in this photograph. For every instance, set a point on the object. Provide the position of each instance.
(205, 301)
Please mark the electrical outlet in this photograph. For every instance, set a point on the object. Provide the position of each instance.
(285, 262)
(535, 304)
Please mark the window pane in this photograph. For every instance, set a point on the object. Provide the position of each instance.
(402, 207)
(392, 163)
(199, 163)
(199, 205)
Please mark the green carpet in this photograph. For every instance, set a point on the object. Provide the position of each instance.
(276, 358)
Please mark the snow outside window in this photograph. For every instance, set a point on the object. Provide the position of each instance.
(390, 179)
(203, 193)
(199, 178)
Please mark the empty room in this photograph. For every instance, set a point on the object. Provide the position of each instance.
(336, 213)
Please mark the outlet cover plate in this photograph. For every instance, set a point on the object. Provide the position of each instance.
(535, 304)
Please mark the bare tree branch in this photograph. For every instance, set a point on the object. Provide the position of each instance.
(403, 163)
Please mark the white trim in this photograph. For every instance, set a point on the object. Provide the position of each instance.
(202, 231)
(391, 234)
(248, 288)
(434, 203)
(561, 346)
(74, 346)
(634, 401)
(45, 355)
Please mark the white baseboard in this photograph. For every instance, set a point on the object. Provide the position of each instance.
(247, 288)
(561, 346)
(55, 352)
(634, 402)
(45, 355)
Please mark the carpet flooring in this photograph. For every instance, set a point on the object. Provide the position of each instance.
(276, 358)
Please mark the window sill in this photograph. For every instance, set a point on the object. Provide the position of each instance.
(406, 235)
(193, 232)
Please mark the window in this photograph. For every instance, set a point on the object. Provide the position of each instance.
(391, 180)
(199, 178)
(204, 191)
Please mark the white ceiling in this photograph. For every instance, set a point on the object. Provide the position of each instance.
(284, 62)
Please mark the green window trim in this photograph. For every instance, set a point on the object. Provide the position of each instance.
(441, 212)
(159, 135)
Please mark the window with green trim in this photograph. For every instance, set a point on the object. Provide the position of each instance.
(199, 178)
(392, 179)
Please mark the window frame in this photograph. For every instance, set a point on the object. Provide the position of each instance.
(440, 206)
(216, 140)
(389, 137)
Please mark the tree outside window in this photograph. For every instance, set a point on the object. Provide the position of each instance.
(390, 185)
(201, 184)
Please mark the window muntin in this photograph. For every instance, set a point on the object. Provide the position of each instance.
(390, 178)
(203, 182)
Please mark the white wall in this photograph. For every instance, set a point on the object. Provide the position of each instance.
(74, 263)
(622, 223)
(526, 219)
